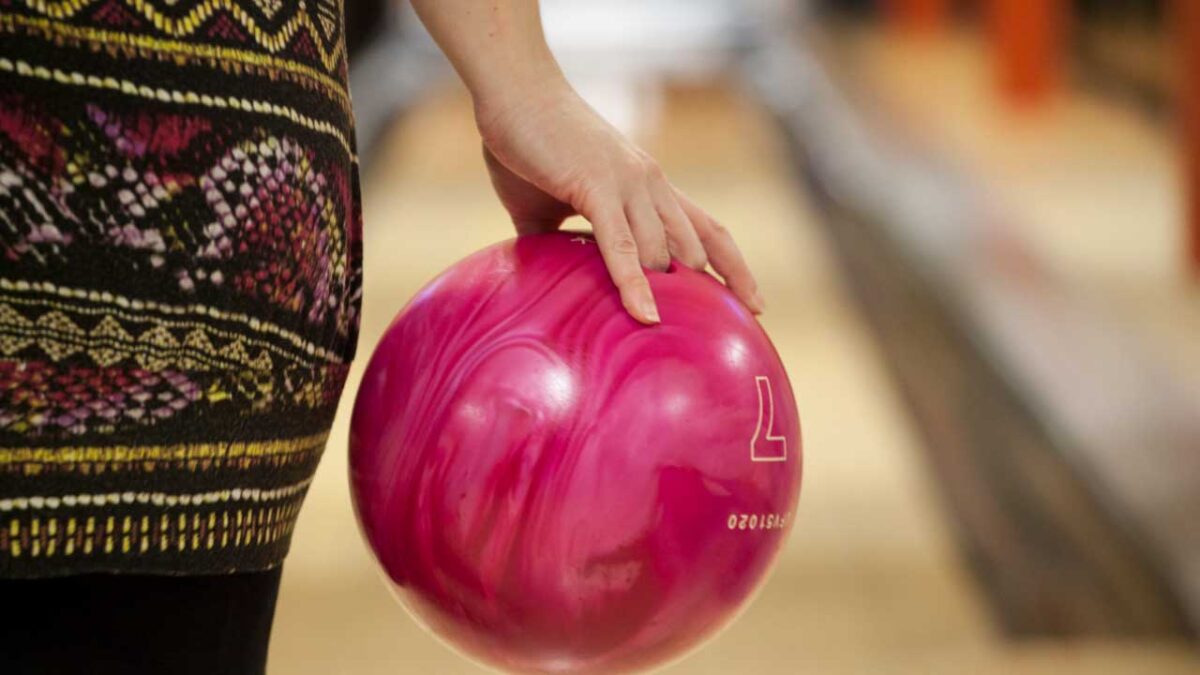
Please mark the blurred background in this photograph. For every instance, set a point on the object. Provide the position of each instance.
(977, 227)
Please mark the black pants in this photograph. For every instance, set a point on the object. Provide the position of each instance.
(132, 625)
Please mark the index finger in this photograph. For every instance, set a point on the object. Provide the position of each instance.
(620, 252)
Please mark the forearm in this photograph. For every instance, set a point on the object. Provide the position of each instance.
(497, 46)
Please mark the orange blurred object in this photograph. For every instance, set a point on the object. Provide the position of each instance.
(918, 17)
(1027, 40)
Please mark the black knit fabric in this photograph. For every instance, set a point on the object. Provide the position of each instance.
(180, 278)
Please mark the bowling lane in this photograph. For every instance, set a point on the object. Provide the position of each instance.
(869, 581)
(1090, 186)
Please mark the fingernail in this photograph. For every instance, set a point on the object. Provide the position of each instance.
(650, 311)
(760, 305)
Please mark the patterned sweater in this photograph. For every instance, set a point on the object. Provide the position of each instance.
(179, 278)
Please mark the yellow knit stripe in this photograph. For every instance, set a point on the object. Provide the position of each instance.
(76, 342)
(43, 503)
(179, 452)
(176, 50)
(186, 25)
(210, 354)
(130, 88)
(109, 300)
(71, 536)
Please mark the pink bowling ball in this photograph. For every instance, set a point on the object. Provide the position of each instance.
(552, 487)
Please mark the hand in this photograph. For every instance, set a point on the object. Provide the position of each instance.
(551, 156)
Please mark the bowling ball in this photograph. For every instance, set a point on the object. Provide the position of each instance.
(553, 487)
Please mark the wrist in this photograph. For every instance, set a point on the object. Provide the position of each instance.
(516, 83)
(519, 92)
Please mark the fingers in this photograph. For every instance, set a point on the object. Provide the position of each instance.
(645, 223)
(648, 231)
(620, 251)
(682, 240)
(724, 255)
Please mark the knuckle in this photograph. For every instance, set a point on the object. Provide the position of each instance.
(653, 170)
(718, 230)
(625, 244)
(589, 196)
(634, 166)
(642, 167)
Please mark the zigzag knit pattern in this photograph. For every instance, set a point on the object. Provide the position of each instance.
(180, 278)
